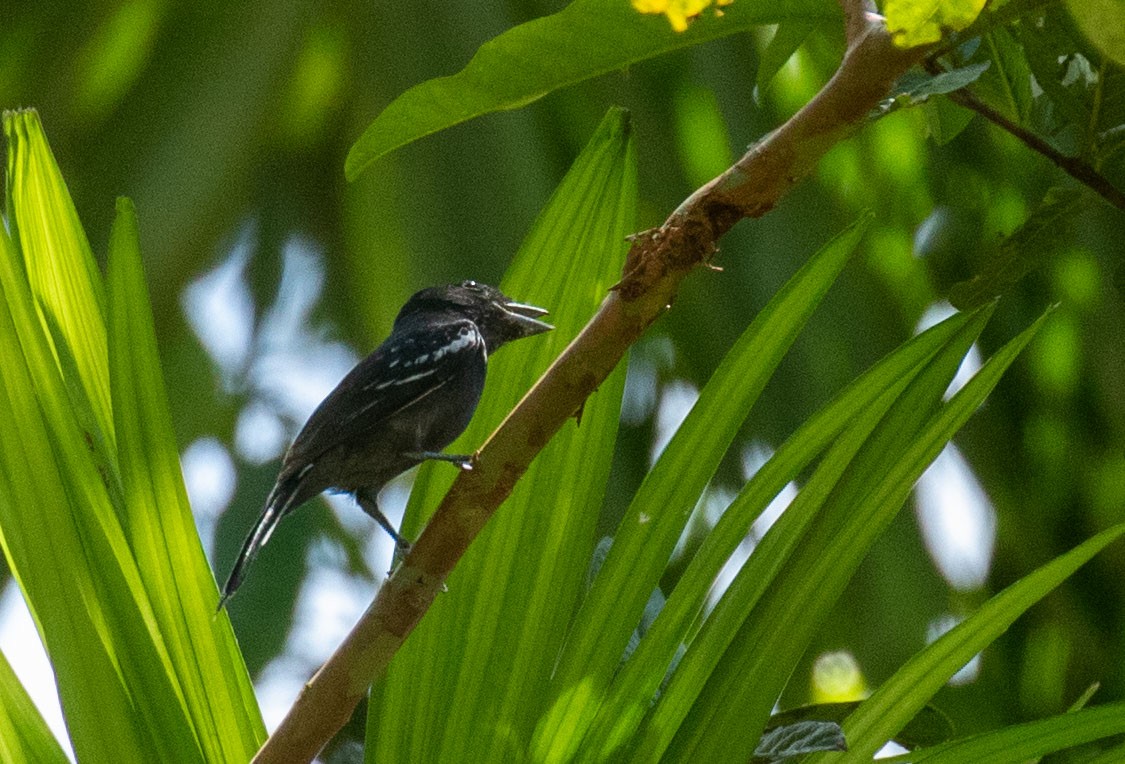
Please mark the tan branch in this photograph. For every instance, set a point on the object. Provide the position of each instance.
(658, 261)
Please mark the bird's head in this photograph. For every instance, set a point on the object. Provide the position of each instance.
(499, 318)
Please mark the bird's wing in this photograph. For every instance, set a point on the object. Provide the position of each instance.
(405, 370)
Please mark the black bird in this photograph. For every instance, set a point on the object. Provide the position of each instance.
(400, 406)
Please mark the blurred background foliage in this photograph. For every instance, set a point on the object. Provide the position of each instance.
(228, 124)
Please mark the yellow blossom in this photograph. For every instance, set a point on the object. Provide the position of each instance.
(679, 12)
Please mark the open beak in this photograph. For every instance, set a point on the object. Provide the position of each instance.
(526, 318)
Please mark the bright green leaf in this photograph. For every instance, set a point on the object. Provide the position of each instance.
(24, 735)
(60, 266)
(42, 538)
(162, 535)
(61, 498)
(920, 22)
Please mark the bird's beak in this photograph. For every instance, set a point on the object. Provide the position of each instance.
(526, 318)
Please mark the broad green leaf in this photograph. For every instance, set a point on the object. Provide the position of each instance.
(861, 503)
(1022, 742)
(60, 265)
(159, 524)
(24, 735)
(920, 22)
(1006, 85)
(586, 39)
(893, 705)
(490, 642)
(858, 408)
(1043, 46)
(664, 502)
(945, 119)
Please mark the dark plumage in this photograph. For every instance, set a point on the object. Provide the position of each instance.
(399, 406)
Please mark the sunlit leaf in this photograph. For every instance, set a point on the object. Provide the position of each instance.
(920, 22)
(70, 564)
(162, 535)
(127, 690)
(24, 735)
(60, 267)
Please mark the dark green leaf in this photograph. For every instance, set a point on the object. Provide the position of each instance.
(1028, 248)
(929, 727)
(799, 739)
(917, 87)
(586, 39)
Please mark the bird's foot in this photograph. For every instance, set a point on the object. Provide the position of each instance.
(464, 461)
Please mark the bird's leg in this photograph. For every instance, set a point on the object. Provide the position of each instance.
(369, 503)
(463, 461)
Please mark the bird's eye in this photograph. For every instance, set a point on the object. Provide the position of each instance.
(469, 284)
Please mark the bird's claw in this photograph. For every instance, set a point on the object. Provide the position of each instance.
(464, 461)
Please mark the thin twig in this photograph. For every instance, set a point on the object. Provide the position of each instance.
(1075, 167)
(657, 262)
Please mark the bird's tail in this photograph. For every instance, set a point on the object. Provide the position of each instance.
(281, 499)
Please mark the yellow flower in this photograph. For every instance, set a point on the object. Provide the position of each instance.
(679, 12)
